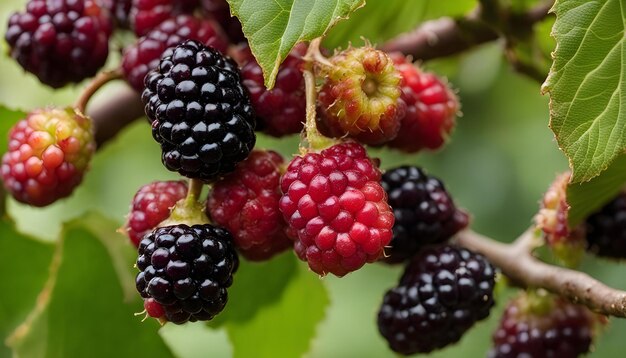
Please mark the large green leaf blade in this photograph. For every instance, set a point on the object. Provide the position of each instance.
(273, 27)
(268, 280)
(87, 308)
(381, 20)
(587, 84)
(24, 262)
(285, 328)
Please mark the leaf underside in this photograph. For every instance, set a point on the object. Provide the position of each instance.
(586, 84)
(273, 27)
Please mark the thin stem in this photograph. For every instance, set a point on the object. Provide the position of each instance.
(194, 190)
(314, 138)
(517, 262)
(100, 80)
(190, 210)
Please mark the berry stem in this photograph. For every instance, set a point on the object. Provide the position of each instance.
(100, 80)
(194, 191)
(190, 210)
(517, 262)
(314, 138)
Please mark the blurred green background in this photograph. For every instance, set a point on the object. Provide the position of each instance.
(501, 159)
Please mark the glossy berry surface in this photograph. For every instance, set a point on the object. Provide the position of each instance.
(144, 56)
(606, 229)
(431, 108)
(359, 96)
(442, 293)
(245, 202)
(336, 210)
(146, 15)
(48, 153)
(120, 10)
(200, 112)
(153, 308)
(281, 110)
(186, 269)
(424, 210)
(220, 12)
(61, 41)
(151, 205)
(564, 330)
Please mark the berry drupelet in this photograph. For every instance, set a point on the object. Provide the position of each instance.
(606, 229)
(431, 108)
(442, 293)
(185, 270)
(336, 210)
(556, 328)
(359, 97)
(245, 202)
(220, 12)
(61, 41)
(425, 212)
(200, 112)
(145, 54)
(145, 15)
(48, 154)
(151, 205)
(120, 10)
(281, 110)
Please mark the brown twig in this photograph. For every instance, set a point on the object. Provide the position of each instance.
(517, 262)
(96, 83)
(449, 36)
(113, 112)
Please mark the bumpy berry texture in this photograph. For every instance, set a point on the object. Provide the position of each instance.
(220, 11)
(200, 112)
(336, 210)
(146, 15)
(424, 210)
(360, 95)
(568, 245)
(606, 229)
(280, 111)
(145, 54)
(187, 269)
(49, 151)
(431, 108)
(442, 293)
(120, 10)
(151, 205)
(61, 41)
(153, 308)
(563, 330)
(245, 202)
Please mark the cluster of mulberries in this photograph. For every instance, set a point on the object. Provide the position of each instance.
(331, 204)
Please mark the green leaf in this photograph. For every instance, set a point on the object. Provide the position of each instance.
(285, 328)
(273, 27)
(267, 280)
(587, 84)
(382, 20)
(8, 118)
(587, 198)
(84, 311)
(24, 263)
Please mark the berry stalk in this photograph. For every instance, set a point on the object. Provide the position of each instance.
(190, 210)
(313, 137)
(517, 262)
(98, 82)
